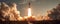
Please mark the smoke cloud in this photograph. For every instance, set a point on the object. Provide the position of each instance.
(55, 13)
(9, 12)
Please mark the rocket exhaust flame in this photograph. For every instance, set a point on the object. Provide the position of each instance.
(29, 11)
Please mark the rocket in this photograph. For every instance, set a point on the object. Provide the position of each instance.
(29, 9)
(29, 4)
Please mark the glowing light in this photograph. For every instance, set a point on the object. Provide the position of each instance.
(29, 11)
(25, 17)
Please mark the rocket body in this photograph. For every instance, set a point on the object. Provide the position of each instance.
(29, 4)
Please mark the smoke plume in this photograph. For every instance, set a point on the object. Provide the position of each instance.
(9, 12)
(55, 13)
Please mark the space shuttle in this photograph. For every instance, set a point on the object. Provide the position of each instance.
(29, 9)
(29, 4)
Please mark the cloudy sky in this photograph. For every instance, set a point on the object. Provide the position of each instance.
(39, 7)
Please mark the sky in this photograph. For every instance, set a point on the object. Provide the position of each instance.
(39, 7)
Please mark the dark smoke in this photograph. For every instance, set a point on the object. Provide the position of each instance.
(55, 13)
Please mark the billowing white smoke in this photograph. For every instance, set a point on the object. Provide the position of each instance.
(9, 12)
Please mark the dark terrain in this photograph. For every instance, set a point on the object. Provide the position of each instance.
(33, 22)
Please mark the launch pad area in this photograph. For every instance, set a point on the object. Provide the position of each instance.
(31, 22)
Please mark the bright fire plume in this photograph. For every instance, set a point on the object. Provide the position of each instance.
(29, 11)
